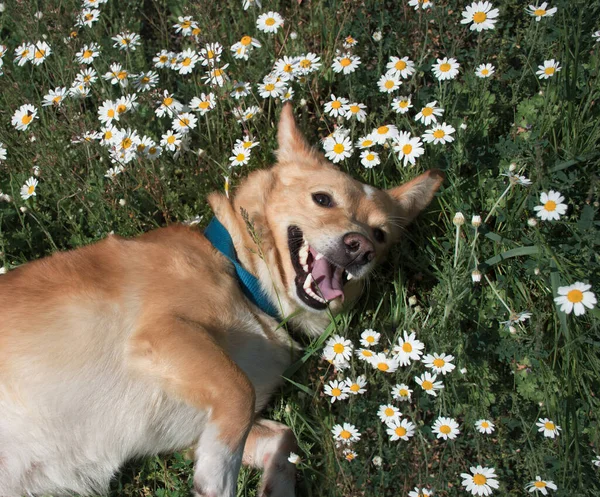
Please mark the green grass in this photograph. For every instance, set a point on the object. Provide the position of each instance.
(550, 129)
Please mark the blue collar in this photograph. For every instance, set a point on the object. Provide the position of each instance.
(216, 234)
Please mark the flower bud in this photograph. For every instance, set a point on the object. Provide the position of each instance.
(476, 221)
(459, 219)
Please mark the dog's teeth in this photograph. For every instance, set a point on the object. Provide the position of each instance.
(349, 276)
(303, 253)
(312, 294)
(319, 257)
(305, 268)
(307, 282)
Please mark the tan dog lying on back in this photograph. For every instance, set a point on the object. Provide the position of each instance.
(128, 348)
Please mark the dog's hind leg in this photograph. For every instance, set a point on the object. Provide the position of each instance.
(188, 362)
(268, 447)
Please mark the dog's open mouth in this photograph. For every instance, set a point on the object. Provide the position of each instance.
(318, 280)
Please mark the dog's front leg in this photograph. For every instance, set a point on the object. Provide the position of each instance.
(191, 365)
(268, 447)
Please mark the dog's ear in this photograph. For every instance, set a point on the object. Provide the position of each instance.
(291, 142)
(414, 196)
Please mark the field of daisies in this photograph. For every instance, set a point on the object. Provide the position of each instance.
(471, 365)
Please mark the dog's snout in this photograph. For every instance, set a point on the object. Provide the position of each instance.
(359, 247)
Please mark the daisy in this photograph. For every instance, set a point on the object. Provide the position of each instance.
(28, 189)
(408, 147)
(349, 42)
(337, 390)
(402, 68)
(162, 59)
(269, 22)
(388, 83)
(428, 113)
(2, 152)
(117, 75)
(153, 152)
(383, 363)
(446, 428)
(349, 455)
(247, 142)
(400, 429)
(424, 4)
(440, 133)
(337, 148)
(270, 88)
(126, 41)
(365, 142)
(357, 386)
(308, 63)
(285, 68)
(446, 68)
(388, 413)
(596, 35)
(548, 427)
(346, 63)
(40, 52)
(86, 76)
(383, 133)
(246, 115)
(552, 207)
(408, 349)
(24, 54)
(440, 363)
(294, 458)
(240, 89)
(55, 97)
(485, 426)
(346, 433)
(211, 54)
(596, 461)
(79, 90)
(401, 392)
(288, 94)
(401, 105)
(87, 17)
(364, 354)
(145, 81)
(356, 110)
(186, 61)
(107, 112)
(369, 159)
(168, 105)
(217, 76)
(108, 134)
(541, 11)
(548, 69)
(481, 482)
(420, 492)
(575, 298)
(240, 157)
(369, 337)
(184, 122)
(24, 116)
(185, 25)
(540, 485)
(251, 3)
(113, 172)
(484, 70)
(336, 106)
(338, 347)
(170, 140)
(427, 382)
(481, 15)
(203, 104)
(145, 144)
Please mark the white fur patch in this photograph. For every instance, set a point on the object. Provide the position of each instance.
(369, 191)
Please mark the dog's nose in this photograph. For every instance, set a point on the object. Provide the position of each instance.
(359, 247)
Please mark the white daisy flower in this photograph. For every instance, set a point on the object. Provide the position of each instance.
(203, 104)
(308, 63)
(446, 68)
(168, 105)
(388, 413)
(186, 61)
(145, 81)
(420, 492)
(357, 386)
(337, 148)
(552, 207)
(87, 17)
(346, 63)
(548, 69)
(349, 455)
(548, 428)
(364, 354)
(485, 426)
(271, 88)
(356, 110)
(484, 70)
(346, 433)
(127, 41)
(246, 115)
(400, 429)
(402, 68)
(337, 390)
(408, 147)
(575, 298)
(113, 172)
(440, 363)
(339, 347)
(401, 105)
(55, 97)
(365, 142)
(288, 94)
(2, 152)
(185, 25)
(217, 76)
(336, 107)
(240, 89)
(211, 54)
(408, 349)
(369, 337)
(107, 112)
(428, 114)
(481, 481)
(153, 152)
(389, 83)
(401, 392)
(383, 363)
(162, 59)
(541, 11)
(41, 51)
(349, 42)
(28, 189)
(369, 159)
(383, 133)
(108, 134)
(286, 68)
(117, 75)
(240, 156)
(144, 144)
(427, 382)
(540, 485)
(481, 15)
(171, 140)
(423, 4)
(596, 35)
(446, 428)
(184, 122)
(86, 76)
(24, 53)
(23, 117)
(247, 142)
(440, 133)
(269, 22)
(596, 461)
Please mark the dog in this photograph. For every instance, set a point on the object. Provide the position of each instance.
(133, 347)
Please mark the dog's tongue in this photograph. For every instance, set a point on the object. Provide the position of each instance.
(324, 275)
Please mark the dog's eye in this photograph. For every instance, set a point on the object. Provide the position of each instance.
(379, 235)
(322, 199)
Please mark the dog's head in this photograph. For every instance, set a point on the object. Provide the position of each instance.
(321, 232)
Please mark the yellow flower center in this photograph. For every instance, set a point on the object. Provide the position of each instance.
(549, 425)
(31, 189)
(550, 205)
(345, 434)
(550, 71)
(479, 17)
(338, 348)
(403, 392)
(246, 40)
(389, 411)
(403, 104)
(87, 54)
(152, 150)
(288, 68)
(367, 143)
(427, 385)
(345, 62)
(184, 121)
(438, 363)
(336, 392)
(167, 101)
(171, 139)
(367, 353)
(250, 115)
(427, 111)
(370, 338)
(204, 105)
(26, 119)
(349, 40)
(338, 148)
(186, 24)
(355, 387)
(336, 104)
(305, 63)
(186, 62)
(485, 424)
(121, 108)
(350, 456)
(107, 135)
(57, 99)
(196, 31)
(270, 21)
(269, 87)
(407, 149)
(73, 34)
(247, 144)
(407, 347)
(163, 59)
(400, 431)
(354, 109)
(389, 84)
(479, 479)
(540, 484)
(39, 54)
(382, 130)
(122, 75)
(110, 112)
(400, 65)
(485, 72)
(145, 80)
(382, 366)
(218, 73)
(445, 429)
(445, 67)
(141, 147)
(126, 143)
(540, 12)
(575, 296)
(210, 54)
(89, 17)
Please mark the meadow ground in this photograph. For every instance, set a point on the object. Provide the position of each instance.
(146, 101)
